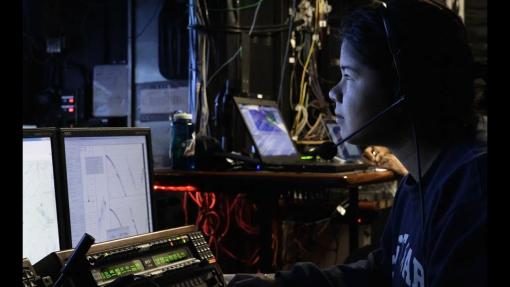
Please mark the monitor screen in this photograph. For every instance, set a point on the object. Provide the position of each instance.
(40, 216)
(108, 182)
(268, 130)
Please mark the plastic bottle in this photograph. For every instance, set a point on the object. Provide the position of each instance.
(181, 135)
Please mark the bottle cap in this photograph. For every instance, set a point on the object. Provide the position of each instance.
(181, 116)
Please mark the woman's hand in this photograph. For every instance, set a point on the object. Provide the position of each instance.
(382, 157)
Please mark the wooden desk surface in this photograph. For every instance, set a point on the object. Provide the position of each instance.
(341, 179)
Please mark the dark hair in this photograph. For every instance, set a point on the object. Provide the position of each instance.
(435, 62)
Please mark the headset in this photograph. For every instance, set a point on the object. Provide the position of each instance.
(391, 42)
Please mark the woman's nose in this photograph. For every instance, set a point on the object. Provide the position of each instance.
(335, 94)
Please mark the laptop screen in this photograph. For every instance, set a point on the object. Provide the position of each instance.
(268, 130)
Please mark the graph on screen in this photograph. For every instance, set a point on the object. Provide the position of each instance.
(108, 187)
(40, 224)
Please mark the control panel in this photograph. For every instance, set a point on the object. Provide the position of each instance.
(173, 257)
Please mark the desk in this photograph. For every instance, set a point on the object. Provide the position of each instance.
(267, 184)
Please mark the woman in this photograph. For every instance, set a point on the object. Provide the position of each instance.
(414, 53)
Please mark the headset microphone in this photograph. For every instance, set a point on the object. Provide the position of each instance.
(328, 150)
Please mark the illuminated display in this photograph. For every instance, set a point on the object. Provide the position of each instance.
(170, 257)
(113, 272)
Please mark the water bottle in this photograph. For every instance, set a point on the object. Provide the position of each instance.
(181, 136)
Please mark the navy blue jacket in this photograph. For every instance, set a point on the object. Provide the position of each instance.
(451, 250)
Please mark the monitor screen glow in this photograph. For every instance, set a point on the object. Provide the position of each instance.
(268, 130)
(40, 219)
(108, 186)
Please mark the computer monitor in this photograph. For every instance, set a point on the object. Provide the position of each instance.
(43, 230)
(108, 178)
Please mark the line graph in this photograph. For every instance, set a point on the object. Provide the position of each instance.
(114, 189)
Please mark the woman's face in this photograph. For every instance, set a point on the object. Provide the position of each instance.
(359, 96)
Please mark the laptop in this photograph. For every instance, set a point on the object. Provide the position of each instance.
(273, 143)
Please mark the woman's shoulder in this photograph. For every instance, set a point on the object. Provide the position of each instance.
(461, 176)
(460, 157)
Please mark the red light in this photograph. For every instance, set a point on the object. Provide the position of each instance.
(71, 100)
(176, 188)
(358, 220)
(71, 110)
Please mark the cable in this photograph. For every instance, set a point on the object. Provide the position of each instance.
(275, 246)
(240, 29)
(254, 258)
(158, 8)
(291, 87)
(208, 228)
(305, 67)
(246, 227)
(185, 207)
(301, 121)
(208, 220)
(213, 200)
(286, 54)
(225, 64)
(206, 11)
(236, 9)
(255, 17)
(316, 125)
(204, 111)
(193, 65)
(195, 199)
(314, 75)
(227, 216)
(199, 15)
(422, 200)
(315, 28)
